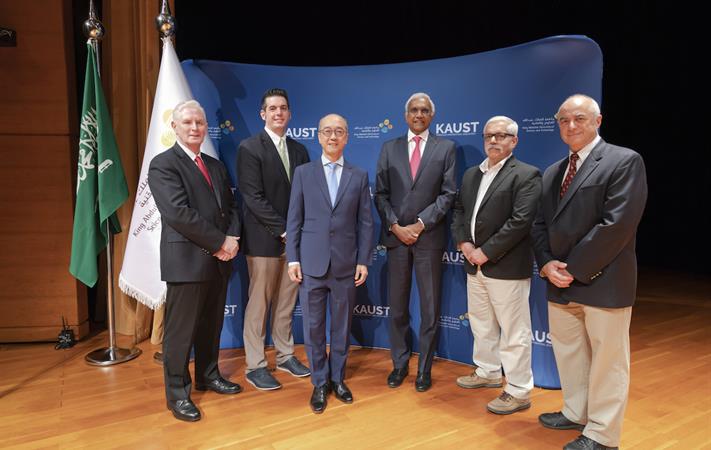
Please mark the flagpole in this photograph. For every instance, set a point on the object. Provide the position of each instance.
(106, 356)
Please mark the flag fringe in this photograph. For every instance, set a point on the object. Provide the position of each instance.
(139, 295)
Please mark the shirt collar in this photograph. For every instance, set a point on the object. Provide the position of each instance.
(484, 166)
(325, 161)
(190, 153)
(275, 137)
(585, 151)
(424, 135)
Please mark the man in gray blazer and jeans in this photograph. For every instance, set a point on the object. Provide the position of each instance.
(584, 240)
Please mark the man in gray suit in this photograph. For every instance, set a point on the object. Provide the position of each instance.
(584, 240)
(415, 187)
(493, 214)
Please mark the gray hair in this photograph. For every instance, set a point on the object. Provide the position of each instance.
(511, 125)
(187, 104)
(592, 105)
(417, 95)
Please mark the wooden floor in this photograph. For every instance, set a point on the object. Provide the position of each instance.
(53, 399)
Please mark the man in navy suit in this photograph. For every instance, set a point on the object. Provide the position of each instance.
(199, 237)
(329, 246)
(415, 188)
(265, 167)
(584, 240)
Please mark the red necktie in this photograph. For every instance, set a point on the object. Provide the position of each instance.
(572, 170)
(203, 169)
(415, 159)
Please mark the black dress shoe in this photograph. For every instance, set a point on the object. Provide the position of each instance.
(184, 410)
(319, 399)
(342, 392)
(557, 421)
(423, 382)
(396, 377)
(585, 443)
(219, 385)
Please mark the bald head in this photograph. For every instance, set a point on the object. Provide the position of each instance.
(333, 135)
(579, 119)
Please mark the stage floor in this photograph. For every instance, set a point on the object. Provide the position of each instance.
(53, 399)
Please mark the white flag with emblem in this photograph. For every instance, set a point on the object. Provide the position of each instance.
(140, 273)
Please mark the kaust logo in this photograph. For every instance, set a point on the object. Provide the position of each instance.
(456, 128)
(225, 128)
(231, 310)
(454, 258)
(371, 310)
(304, 133)
(385, 126)
(379, 251)
(540, 337)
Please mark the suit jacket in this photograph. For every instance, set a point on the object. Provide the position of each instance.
(265, 190)
(593, 227)
(504, 219)
(319, 235)
(429, 196)
(195, 218)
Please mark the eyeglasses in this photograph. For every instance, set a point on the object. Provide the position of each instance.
(327, 132)
(413, 111)
(498, 136)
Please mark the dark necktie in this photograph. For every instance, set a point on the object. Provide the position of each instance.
(572, 170)
(201, 165)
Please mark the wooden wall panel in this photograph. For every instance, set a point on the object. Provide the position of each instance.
(33, 76)
(37, 109)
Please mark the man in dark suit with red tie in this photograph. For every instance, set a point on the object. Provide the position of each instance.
(584, 240)
(199, 237)
(265, 168)
(415, 187)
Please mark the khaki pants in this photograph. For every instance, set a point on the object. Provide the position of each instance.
(500, 320)
(592, 350)
(269, 286)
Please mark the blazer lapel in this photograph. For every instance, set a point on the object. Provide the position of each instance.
(273, 155)
(469, 207)
(402, 157)
(588, 167)
(498, 179)
(216, 181)
(346, 173)
(320, 177)
(430, 149)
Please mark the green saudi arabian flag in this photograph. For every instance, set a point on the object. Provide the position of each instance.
(101, 184)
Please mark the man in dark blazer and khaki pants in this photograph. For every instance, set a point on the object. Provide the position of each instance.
(415, 187)
(491, 225)
(199, 237)
(265, 168)
(584, 240)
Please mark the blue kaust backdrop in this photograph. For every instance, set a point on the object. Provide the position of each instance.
(526, 82)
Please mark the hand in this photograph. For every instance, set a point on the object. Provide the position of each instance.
(222, 255)
(479, 257)
(295, 273)
(555, 272)
(406, 235)
(467, 249)
(361, 274)
(231, 245)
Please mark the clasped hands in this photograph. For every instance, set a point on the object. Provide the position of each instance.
(409, 233)
(557, 273)
(228, 250)
(474, 255)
